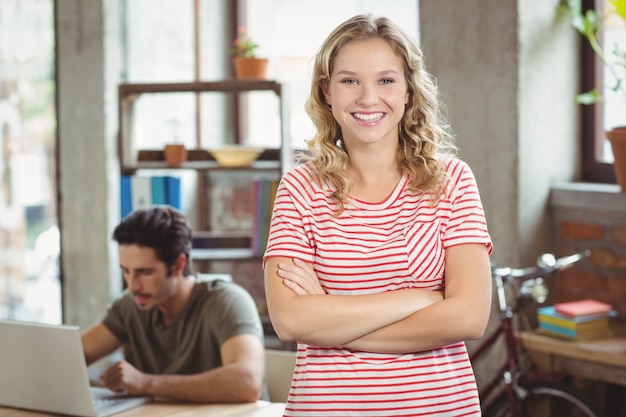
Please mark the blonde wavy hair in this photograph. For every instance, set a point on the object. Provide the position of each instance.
(425, 140)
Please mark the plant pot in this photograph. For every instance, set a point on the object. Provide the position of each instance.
(175, 155)
(617, 137)
(250, 68)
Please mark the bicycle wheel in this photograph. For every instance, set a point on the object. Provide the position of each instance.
(546, 400)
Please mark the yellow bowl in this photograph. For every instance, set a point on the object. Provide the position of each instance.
(235, 155)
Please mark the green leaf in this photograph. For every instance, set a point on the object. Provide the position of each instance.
(620, 7)
(589, 97)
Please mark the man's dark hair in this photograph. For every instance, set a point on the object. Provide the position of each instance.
(162, 228)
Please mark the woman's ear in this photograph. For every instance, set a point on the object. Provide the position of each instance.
(325, 90)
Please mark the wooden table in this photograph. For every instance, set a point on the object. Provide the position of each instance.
(602, 360)
(167, 409)
(598, 360)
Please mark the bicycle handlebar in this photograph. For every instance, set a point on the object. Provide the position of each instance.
(546, 264)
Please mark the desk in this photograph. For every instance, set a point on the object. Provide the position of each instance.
(602, 360)
(167, 409)
(597, 360)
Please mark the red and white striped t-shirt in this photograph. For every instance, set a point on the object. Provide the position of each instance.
(375, 247)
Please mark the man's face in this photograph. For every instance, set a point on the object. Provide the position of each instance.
(146, 276)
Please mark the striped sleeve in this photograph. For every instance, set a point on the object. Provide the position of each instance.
(289, 235)
(467, 223)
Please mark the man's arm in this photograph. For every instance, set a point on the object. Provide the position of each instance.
(98, 341)
(239, 379)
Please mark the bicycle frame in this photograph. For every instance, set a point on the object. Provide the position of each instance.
(509, 372)
(509, 368)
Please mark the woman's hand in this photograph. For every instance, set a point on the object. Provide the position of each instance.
(300, 277)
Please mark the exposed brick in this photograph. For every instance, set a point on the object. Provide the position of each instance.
(618, 233)
(564, 294)
(581, 231)
(581, 280)
(605, 257)
(617, 285)
(603, 275)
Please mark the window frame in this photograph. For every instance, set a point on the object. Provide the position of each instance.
(592, 116)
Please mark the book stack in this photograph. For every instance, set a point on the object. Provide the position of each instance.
(576, 320)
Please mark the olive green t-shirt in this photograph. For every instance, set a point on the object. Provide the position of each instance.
(217, 310)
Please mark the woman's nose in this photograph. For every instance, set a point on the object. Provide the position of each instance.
(368, 95)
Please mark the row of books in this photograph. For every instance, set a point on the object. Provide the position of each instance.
(263, 194)
(141, 191)
(576, 320)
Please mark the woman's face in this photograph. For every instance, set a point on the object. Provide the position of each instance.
(368, 92)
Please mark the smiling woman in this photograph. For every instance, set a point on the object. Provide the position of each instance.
(289, 34)
(377, 235)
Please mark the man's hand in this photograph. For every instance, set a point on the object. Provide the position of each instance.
(300, 277)
(122, 376)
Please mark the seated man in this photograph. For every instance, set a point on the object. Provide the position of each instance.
(182, 339)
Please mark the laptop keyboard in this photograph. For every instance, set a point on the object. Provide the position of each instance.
(101, 402)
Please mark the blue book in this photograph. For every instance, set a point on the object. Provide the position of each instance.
(549, 313)
(125, 196)
(159, 190)
(173, 192)
(599, 331)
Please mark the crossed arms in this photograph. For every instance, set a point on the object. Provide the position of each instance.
(401, 321)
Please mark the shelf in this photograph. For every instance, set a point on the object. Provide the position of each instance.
(231, 254)
(208, 246)
(202, 165)
(127, 91)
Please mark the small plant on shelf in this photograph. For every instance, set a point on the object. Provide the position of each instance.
(243, 45)
(175, 153)
(247, 65)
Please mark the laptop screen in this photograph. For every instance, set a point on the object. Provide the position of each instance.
(42, 367)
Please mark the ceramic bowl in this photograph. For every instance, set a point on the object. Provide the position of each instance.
(235, 155)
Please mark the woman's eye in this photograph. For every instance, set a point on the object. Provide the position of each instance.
(349, 81)
(386, 81)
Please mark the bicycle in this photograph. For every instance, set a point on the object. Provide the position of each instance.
(514, 390)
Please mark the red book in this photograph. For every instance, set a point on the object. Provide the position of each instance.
(583, 308)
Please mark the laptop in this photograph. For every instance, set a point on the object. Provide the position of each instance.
(42, 368)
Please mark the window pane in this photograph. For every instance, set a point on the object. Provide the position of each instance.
(160, 48)
(29, 236)
(162, 118)
(160, 41)
(614, 98)
(289, 33)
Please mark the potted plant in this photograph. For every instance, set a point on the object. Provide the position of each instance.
(175, 153)
(590, 25)
(247, 64)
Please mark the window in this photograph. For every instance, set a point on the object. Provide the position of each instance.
(188, 41)
(29, 237)
(602, 116)
(289, 33)
(169, 42)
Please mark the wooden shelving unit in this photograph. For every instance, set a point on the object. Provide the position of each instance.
(272, 160)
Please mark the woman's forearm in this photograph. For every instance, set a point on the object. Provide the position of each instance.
(333, 320)
(440, 324)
